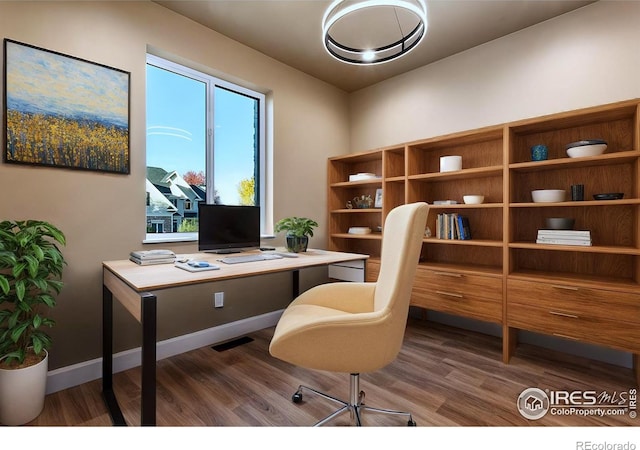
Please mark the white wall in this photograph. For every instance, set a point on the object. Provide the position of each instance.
(587, 57)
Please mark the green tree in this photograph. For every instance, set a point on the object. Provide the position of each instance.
(188, 225)
(247, 191)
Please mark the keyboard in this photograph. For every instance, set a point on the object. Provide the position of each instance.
(249, 258)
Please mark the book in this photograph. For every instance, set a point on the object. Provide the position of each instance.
(579, 242)
(145, 255)
(445, 202)
(148, 262)
(565, 233)
(466, 226)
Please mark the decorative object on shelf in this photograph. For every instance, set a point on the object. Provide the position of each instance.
(577, 192)
(427, 232)
(363, 176)
(609, 196)
(539, 152)
(592, 147)
(359, 230)
(365, 32)
(362, 202)
(548, 195)
(473, 199)
(378, 201)
(445, 202)
(450, 163)
(63, 111)
(30, 276)
(559, 223)
(298, 229)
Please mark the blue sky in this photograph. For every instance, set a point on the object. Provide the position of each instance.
(176, 132)
(39, 81)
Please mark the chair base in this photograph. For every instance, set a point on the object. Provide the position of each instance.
(355, 405)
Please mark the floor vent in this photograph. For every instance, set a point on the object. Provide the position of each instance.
(232, 344)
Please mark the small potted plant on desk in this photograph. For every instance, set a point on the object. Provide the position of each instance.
(298, 229)
(30, 275)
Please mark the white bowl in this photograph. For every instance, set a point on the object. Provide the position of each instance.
(359, 230)
(548, 195)
(473, 199)
(586, 150)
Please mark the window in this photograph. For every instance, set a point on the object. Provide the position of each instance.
(205, 143)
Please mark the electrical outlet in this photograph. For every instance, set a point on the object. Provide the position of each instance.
(218, 300)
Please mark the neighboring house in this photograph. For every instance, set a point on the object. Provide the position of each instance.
(170, 200)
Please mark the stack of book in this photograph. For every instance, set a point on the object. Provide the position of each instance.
(564, 237)
(148, 257)
(452, 226)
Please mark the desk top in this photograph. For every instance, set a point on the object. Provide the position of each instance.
(163, 276)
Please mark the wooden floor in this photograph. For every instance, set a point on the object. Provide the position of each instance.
(444, 376)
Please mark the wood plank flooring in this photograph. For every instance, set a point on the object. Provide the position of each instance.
(444, 376)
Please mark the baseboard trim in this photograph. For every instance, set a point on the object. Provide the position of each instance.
(77, 374)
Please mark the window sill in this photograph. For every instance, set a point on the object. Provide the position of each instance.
(160, 238)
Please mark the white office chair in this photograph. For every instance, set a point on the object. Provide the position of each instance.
(356, 327)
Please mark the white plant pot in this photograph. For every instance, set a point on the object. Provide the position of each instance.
(22, 393)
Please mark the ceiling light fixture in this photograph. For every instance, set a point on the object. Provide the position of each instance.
(366, 32)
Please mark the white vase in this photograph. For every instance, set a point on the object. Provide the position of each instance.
(22, 393)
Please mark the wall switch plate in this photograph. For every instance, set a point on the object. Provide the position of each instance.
(218, 299)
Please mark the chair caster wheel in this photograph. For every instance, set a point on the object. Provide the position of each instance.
(411, 423)
(297, 397)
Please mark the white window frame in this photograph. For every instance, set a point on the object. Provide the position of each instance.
(264, 172)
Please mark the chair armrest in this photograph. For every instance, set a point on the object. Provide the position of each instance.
(347, 297)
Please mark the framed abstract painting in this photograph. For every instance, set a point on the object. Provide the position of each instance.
(63, 111)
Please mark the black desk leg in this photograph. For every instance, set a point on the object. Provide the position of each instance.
(296, 283)
(149, 316)
(107, 359)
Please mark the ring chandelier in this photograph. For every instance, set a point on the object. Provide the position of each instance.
(366, 32)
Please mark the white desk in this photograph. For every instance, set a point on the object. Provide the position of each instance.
(132, 285)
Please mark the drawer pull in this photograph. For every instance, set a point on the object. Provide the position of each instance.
(566, 337)
(557, 313)
(566, 288)
(449, 274)
(450, 294)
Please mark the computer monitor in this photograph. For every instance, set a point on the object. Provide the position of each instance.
(228, 229)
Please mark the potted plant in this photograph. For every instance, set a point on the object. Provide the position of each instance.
(30, 275)
(298, 229)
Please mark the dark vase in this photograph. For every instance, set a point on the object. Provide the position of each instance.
(297, 244)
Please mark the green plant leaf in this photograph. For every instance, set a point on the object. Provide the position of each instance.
(20, 290)
(4, 284)
(37, 344)
(37, 321)
(16, 333)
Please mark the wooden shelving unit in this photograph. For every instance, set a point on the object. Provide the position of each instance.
(585, 293)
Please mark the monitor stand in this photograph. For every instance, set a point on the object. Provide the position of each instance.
(226, 251)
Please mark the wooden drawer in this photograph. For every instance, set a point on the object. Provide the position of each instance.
(602, 331)
(451, 281)
(575, 300)
(461, 294)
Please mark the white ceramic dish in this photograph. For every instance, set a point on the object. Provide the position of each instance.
(362, 176)
(473, 199)
(586, 150)
(548, 195)
(359, 230)
(450, 163)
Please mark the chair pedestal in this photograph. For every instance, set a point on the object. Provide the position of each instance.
(355, 405)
